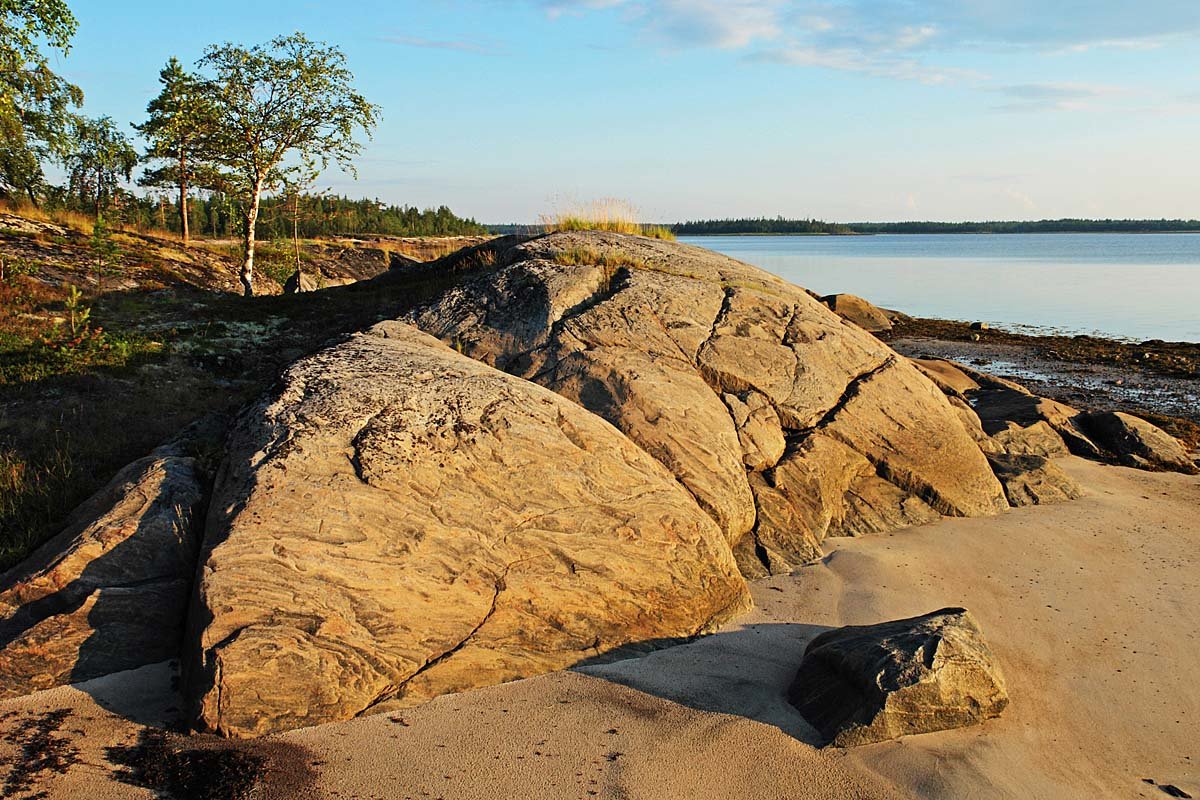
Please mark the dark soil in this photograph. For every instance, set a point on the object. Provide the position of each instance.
(210, 768)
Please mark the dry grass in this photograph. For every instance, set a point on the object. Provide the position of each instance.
(586, 256)
(609, 214)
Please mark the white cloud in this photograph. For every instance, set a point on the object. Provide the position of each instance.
(926, 41)
(1056, 96)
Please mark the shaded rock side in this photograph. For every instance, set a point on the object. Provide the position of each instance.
(110, 592)
(863, 684)
(1033, 480)
(716, 369)
(862, 313)
(1136, 443)
(398, 521)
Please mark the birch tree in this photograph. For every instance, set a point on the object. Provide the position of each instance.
(281, 113)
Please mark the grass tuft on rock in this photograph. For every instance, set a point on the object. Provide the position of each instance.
(609, 214)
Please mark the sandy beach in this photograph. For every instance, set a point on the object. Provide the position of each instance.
(1091, 608)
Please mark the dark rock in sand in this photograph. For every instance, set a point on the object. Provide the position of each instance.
(863, 684)
(1136, 443)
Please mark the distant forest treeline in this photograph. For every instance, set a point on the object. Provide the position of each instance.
(219, 215)
(779, 225)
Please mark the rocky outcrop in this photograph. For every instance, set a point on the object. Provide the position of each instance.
(1033, 480)
(709, 365)
(1019, 423)
(301, 281)
(398, 521)
(1136, 443)
(1038, 439)
(863, 684)
(853, 308)
(110, 592)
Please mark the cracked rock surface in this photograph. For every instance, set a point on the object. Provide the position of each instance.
(739, 383)
(397, 521)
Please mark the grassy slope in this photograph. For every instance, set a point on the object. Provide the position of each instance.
(167, 341)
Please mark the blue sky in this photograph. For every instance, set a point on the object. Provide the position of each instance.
(839, 109)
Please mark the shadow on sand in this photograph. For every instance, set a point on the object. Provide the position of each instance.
(744, 671)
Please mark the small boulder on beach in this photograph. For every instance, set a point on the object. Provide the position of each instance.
(870, 683)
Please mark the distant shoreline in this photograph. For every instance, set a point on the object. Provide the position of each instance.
(950, 233)
(959, 233)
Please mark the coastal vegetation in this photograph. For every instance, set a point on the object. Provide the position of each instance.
(608, 214)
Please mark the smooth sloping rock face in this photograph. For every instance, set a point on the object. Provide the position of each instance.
(709, 364)
(398, 521)
(863, 684)
(110, 592)
(1137, 443)
(857, 310)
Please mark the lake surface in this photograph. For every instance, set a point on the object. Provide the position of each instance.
(1126, 286)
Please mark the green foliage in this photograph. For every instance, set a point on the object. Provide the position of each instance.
(30, 499)
(760, 225)
(101, 157)
(13, 269)
(291, 97)
(282, 112)
(177, 119)
(34, 101)
(276, 261)
(106, 252)
(78, 314)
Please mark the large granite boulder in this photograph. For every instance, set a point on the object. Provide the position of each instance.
(871, 683)
(396, 521)
(1135, 442)
(110, 592)
(736, 381)
(862, 313)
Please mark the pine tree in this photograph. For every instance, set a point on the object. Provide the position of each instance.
(177, 117)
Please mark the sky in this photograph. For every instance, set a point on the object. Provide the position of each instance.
(844, 110)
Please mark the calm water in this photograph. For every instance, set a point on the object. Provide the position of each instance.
(1121, 285)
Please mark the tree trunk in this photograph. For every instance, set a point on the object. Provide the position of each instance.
(296, 227)
(183, 196)
(251, 223)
